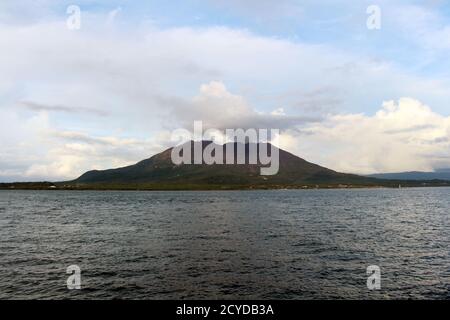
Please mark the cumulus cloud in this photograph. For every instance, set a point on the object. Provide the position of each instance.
(69, 154)
(218, 108)
(403, 136)
(34, 149)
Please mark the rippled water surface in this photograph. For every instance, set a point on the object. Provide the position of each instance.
(311, 244)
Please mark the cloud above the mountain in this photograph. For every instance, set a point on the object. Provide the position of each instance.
(218, 108)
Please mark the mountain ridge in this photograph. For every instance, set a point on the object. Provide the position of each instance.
(160, 169)
(159, 173)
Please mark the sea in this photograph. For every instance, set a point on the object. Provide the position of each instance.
(271, 244)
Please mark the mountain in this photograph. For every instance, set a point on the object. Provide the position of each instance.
(160, 173)
(442, 174)
(160, 170)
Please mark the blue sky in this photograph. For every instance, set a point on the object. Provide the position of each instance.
(110, 93)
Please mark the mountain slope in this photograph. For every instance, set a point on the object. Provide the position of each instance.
(160, 169)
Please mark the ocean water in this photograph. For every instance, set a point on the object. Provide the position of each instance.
(283, 244)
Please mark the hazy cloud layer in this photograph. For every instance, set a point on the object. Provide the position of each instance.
(59, 108)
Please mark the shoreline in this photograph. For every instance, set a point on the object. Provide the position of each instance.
(48, 186)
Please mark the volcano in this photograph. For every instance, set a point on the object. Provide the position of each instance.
(159, 170)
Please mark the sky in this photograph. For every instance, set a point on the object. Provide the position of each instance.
(343, 94)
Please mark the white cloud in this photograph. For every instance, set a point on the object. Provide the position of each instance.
(69, 154)
(218, 108)
(403, 136)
